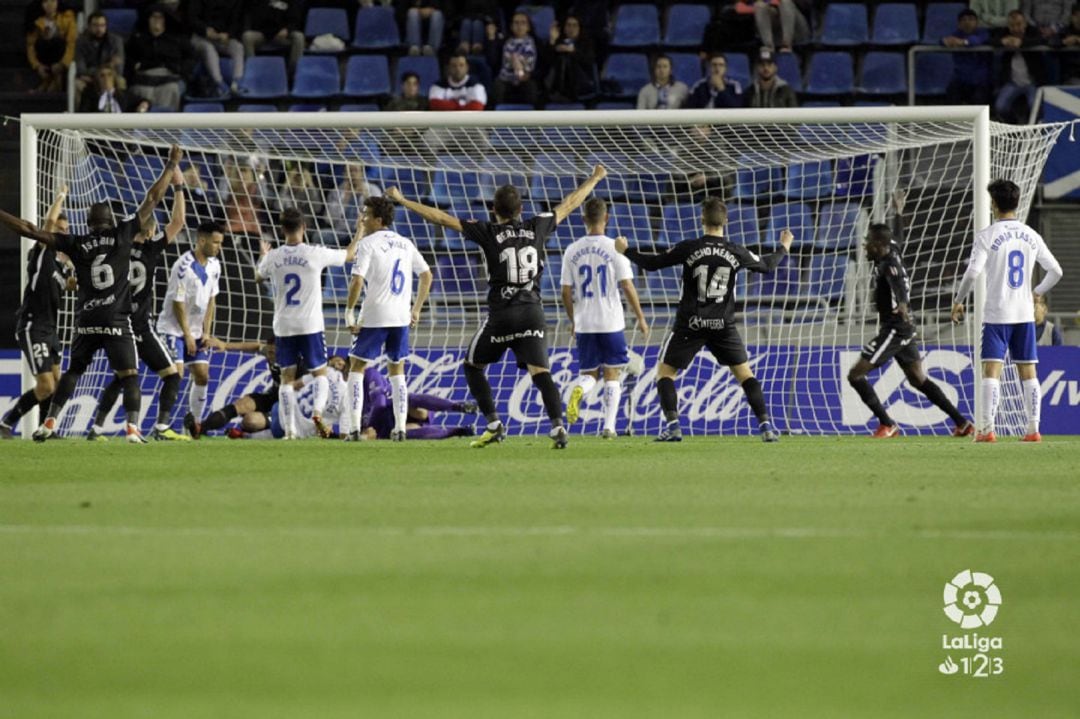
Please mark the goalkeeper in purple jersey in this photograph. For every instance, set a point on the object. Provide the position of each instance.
(378, 419)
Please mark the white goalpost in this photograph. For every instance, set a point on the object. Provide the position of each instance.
(826, 173)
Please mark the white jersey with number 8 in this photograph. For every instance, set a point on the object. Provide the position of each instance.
(387, 262)
(1008, 250)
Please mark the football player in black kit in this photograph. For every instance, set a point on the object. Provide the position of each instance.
(706, 314)
(895, 338)
(514, 251)
(35, 321)
(102, 259)
(146, 254)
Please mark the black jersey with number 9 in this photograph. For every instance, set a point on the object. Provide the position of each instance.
(145, 258)
(515, 256)
(102, 262)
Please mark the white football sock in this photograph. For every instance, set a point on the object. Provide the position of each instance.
(991, 396)
(400, 396)
(612, 395)
(586, 382)
(287, 409)
(197, 400)
(322, 393)
(355, 395)
(1032, 391)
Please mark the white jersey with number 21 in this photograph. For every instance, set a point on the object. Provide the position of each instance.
(296, 274)
(1008, 250)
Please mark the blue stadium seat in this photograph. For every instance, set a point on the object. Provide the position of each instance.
(569, 230)
(824, 275)
(121, 20)
(367, 75)
(686, 67)
(781, 282)
(940, 21)
(493, 174)
(264, 78)
(631, 221)
(513, 107)
(895, 24)
(541, 16)
(680, 222)
(831, 73)
(884, 73)
(426, 66)
(204, 107)
(664, 284)
(376, 29)
(307, 107)
(636, 26)
(327, 21)
(742, 226)
(844, 24)
(752, 183)
(336, 284)
(255, 107)
(548, 187)
(452, 181)
(738, 68)
(416, 228)
(787, 67)
(359, 107)
(854, 176)
(838, 226)
(635, 186)
(686, 25)
(933, 71)
(565, 106)
(317, 76)
(626, 73)
(809, 180)
(407, 177)
(794, 216)
(459, 276)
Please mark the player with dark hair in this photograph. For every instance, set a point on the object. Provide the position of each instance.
(146, 253)
(706, 314)
(35, 321)
(102, 259)
(896, 338)
(514, 251)
(254, 407)
(385, 262)
(1007, 251)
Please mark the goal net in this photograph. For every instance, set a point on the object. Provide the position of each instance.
(824, 173)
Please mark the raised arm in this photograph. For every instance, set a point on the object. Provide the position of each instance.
(54, 210)
(431, 214)
(156, 193)
(573, 201)
(26, 229)
(178, 218)
(350, 251)
(768, 263)
(669, 258)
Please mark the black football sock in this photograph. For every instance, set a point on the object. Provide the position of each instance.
(43, 407)
(24, 404)
(64, 389)
(220, 418)
(107, 401)
(870, 399)
(669, 400)
(934, 394)
(170, 390)
(481, 391)
(756, 398)
(550, 394)
(132, 398)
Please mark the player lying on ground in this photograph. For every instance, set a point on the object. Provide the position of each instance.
(270, 425)
(1007, 251)
(514, 254)
(592, 274)
(102, 259)
(252, 408)
(706, 314)
(379, 420)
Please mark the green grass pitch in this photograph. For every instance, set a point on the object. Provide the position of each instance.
(719, 577)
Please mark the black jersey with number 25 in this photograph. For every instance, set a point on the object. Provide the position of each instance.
(514, 252)
(102, 262)
(709, 265)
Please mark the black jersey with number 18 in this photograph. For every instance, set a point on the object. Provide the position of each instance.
(102, 262)
(514, 252)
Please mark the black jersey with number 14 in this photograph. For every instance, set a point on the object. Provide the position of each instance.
(709, 265)
(102, 262)
(514, 252)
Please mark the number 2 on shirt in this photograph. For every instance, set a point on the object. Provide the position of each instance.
(586, 272)
(292, 287)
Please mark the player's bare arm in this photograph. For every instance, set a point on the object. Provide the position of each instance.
(53, 215)
(27, 229)
(180, 312)
(567, 294)
(422, 292)
(431, 214)
(635, 305)
(573, 201)
(156, 193)
(786, 238)
(208, 319)
(350, 251)
(356, 285)
(264, 250)
(178, 218)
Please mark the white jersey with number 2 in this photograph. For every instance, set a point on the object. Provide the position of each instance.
(1007, 251)
(296, 274)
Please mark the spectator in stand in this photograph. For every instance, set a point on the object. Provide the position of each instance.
(201, 200)
(970, 83)
(298, 189)
(159, 60)
(789, 17)
(96, 48)
(664, 92)
(1021, 72)
(417, 14)
(459, 91)
(346, 203)
(103, 95)
(994, 14)
(50, 43)
(769, 89)
(1048, 16)
(1046, 333)
(242, 197)
(475, 16)
(571, 62)
(716, 90)
(515, 82)
(410, 98)
(215, 28)
(278, 23)
(1069, 37)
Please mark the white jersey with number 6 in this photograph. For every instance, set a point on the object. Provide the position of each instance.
(594, 269)
(387, 262)
(1008, 250)
(295, 271)
(193, 285)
